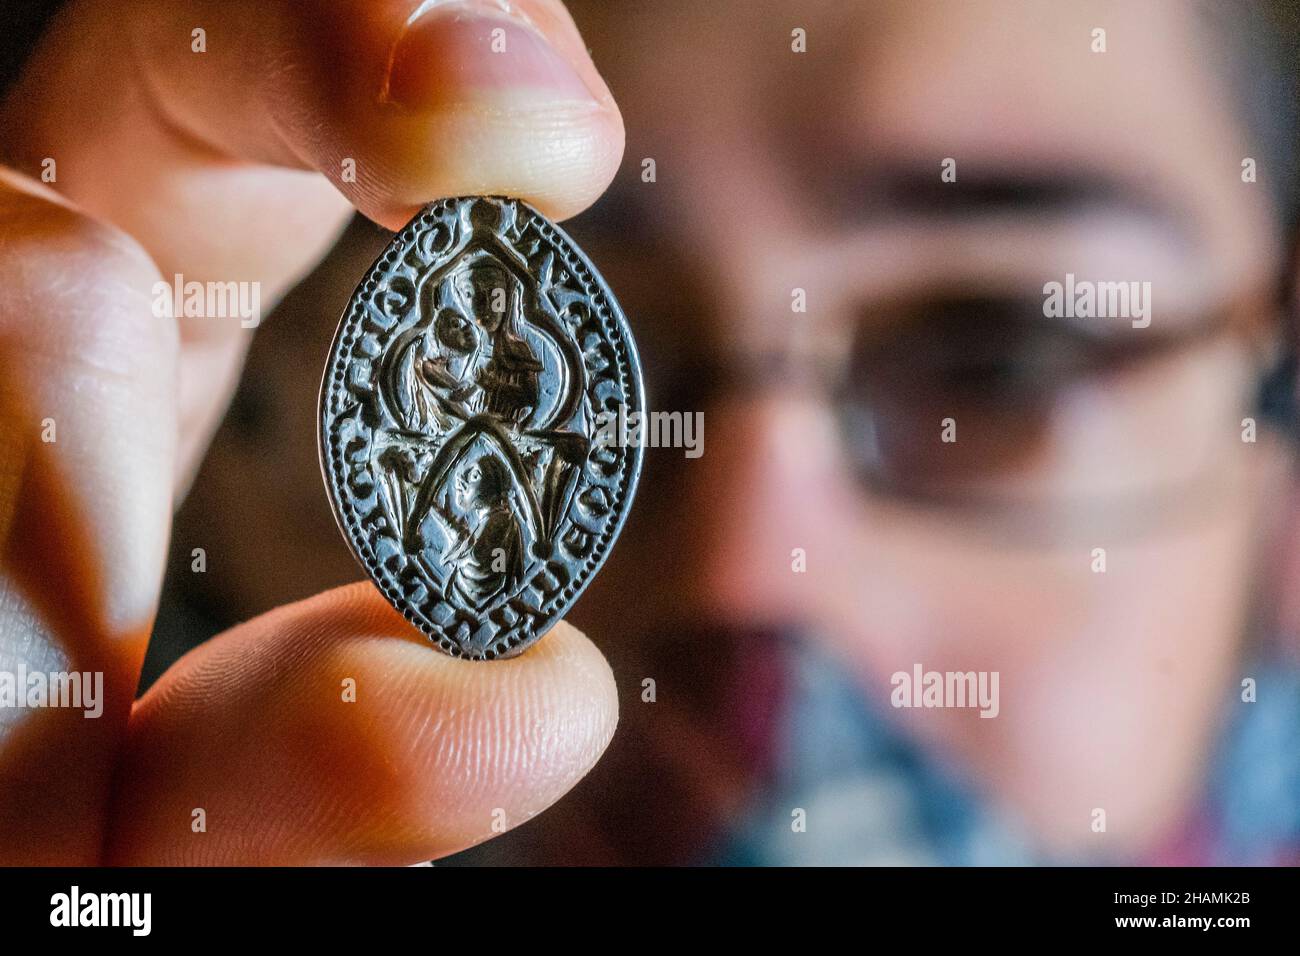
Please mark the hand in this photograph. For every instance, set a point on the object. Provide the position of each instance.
(234, 164)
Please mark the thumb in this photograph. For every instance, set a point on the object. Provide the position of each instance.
(329, 731)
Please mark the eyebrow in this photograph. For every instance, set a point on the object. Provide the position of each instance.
(901, 190)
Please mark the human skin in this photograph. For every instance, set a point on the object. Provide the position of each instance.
(1112, 686)
(769, 172)
(163, 154)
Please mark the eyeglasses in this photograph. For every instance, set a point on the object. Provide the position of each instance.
(984, 408)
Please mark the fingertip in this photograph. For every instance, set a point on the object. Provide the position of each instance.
(557, 157)
(459, 99)
(470, 748)
(331, 731)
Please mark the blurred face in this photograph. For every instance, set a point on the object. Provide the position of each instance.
(842, 257)
(892, 398)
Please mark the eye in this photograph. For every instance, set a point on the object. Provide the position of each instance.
(999, 367)
(977, 351)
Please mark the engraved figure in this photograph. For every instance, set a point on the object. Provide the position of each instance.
(499, 372)
(465, 356)
(486, 556)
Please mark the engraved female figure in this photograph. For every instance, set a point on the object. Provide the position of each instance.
(499, 362)
(466, 355)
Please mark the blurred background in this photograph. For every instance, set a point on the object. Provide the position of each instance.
(1112, 532)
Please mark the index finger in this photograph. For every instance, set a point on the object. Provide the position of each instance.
(396, 102)
(199, 127)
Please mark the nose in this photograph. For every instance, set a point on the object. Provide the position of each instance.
(762, 497)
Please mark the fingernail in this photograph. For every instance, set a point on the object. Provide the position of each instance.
(456, 53)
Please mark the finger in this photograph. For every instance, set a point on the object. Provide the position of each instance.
(86, 456)
(250, 750)
(419, 99)
(429, 98)
(207, 158)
